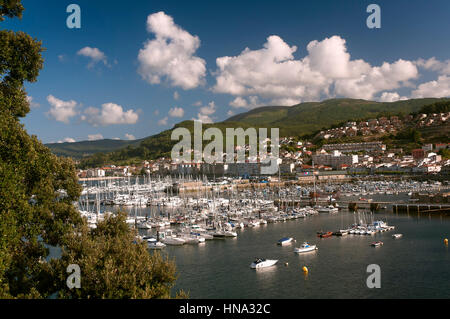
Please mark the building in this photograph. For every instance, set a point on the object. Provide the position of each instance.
(418, 154)
(335, 160)
(356, 147)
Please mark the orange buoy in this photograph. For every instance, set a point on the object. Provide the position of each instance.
(305, 269)
(446, 241)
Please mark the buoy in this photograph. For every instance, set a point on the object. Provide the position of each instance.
(286, 264)
(305, 270)
(446, 241)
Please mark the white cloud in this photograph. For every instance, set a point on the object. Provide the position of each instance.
(250, 103)
(230, 113)
(163, 121)
(176, 112)
(391, 97)
(432, 64)
(67, 140)
(32, 103)
(176, 96)
(95, 137)
(109, 114)
(206, 112)
(94, 54)
(61, 110)
(171, 54)
(439, 88)
(273, 74)
(130, 137)
(156, 112)
(198, 103)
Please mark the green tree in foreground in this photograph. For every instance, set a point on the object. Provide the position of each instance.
(114, 265)
(37, 191)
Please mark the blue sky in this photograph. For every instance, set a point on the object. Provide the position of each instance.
(94, 83)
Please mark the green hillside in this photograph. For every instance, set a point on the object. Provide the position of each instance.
(87, 148)
(306, 118)
(298, 120)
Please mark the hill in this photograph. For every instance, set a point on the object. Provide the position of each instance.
(299, 120)
(306, 118)
(87, 148)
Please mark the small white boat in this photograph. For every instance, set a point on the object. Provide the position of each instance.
(262, 263)
(395, 236)
(305, 247)
(285, 241)
(174, 241)
(377, 244)
(156, 245)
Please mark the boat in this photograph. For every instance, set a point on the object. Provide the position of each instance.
(377, 244)
(156, 245)
(324, 234)
(262, 263)
(285, 241)
(395, 236)
(341, 232)
(305, 247)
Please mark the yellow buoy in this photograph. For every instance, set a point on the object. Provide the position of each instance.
(305, 269)
(446, 241)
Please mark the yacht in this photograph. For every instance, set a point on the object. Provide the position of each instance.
(156, 245)
(377, 244)
(285, 241)
(395, 236)
(305, 247)
(262, 263)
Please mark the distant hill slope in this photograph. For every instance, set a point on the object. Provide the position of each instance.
(298, 120)
(306, 118)
(87, 148)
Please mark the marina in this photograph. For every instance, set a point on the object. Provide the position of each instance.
(213, 234)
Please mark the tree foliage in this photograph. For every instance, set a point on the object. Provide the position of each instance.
(37, 192)
(114, 265)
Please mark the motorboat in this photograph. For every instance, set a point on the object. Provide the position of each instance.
(285, 241)
(305, 247)
(395, 236)
(324, 234)
(156, 245)
(263, 263)
(377, 244)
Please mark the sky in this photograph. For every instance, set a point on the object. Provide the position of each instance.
(135, 69)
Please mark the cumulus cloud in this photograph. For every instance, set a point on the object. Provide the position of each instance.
(32, 103)
(433, 64)
(273, 74)
(95, 56)
(205, 113)
(109, 114)
(439, 88)
(67, 140)
(130, 137)
(170, 55)
(61, 110)
(95, 137)
(391, 97)
(176, 112)
(163, 121)
(176, 96)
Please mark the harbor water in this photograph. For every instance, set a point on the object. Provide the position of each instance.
(414, 266)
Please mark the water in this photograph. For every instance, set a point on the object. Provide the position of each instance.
(415, 266)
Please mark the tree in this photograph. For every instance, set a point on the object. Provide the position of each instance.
(114, 265)
(37, 191)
